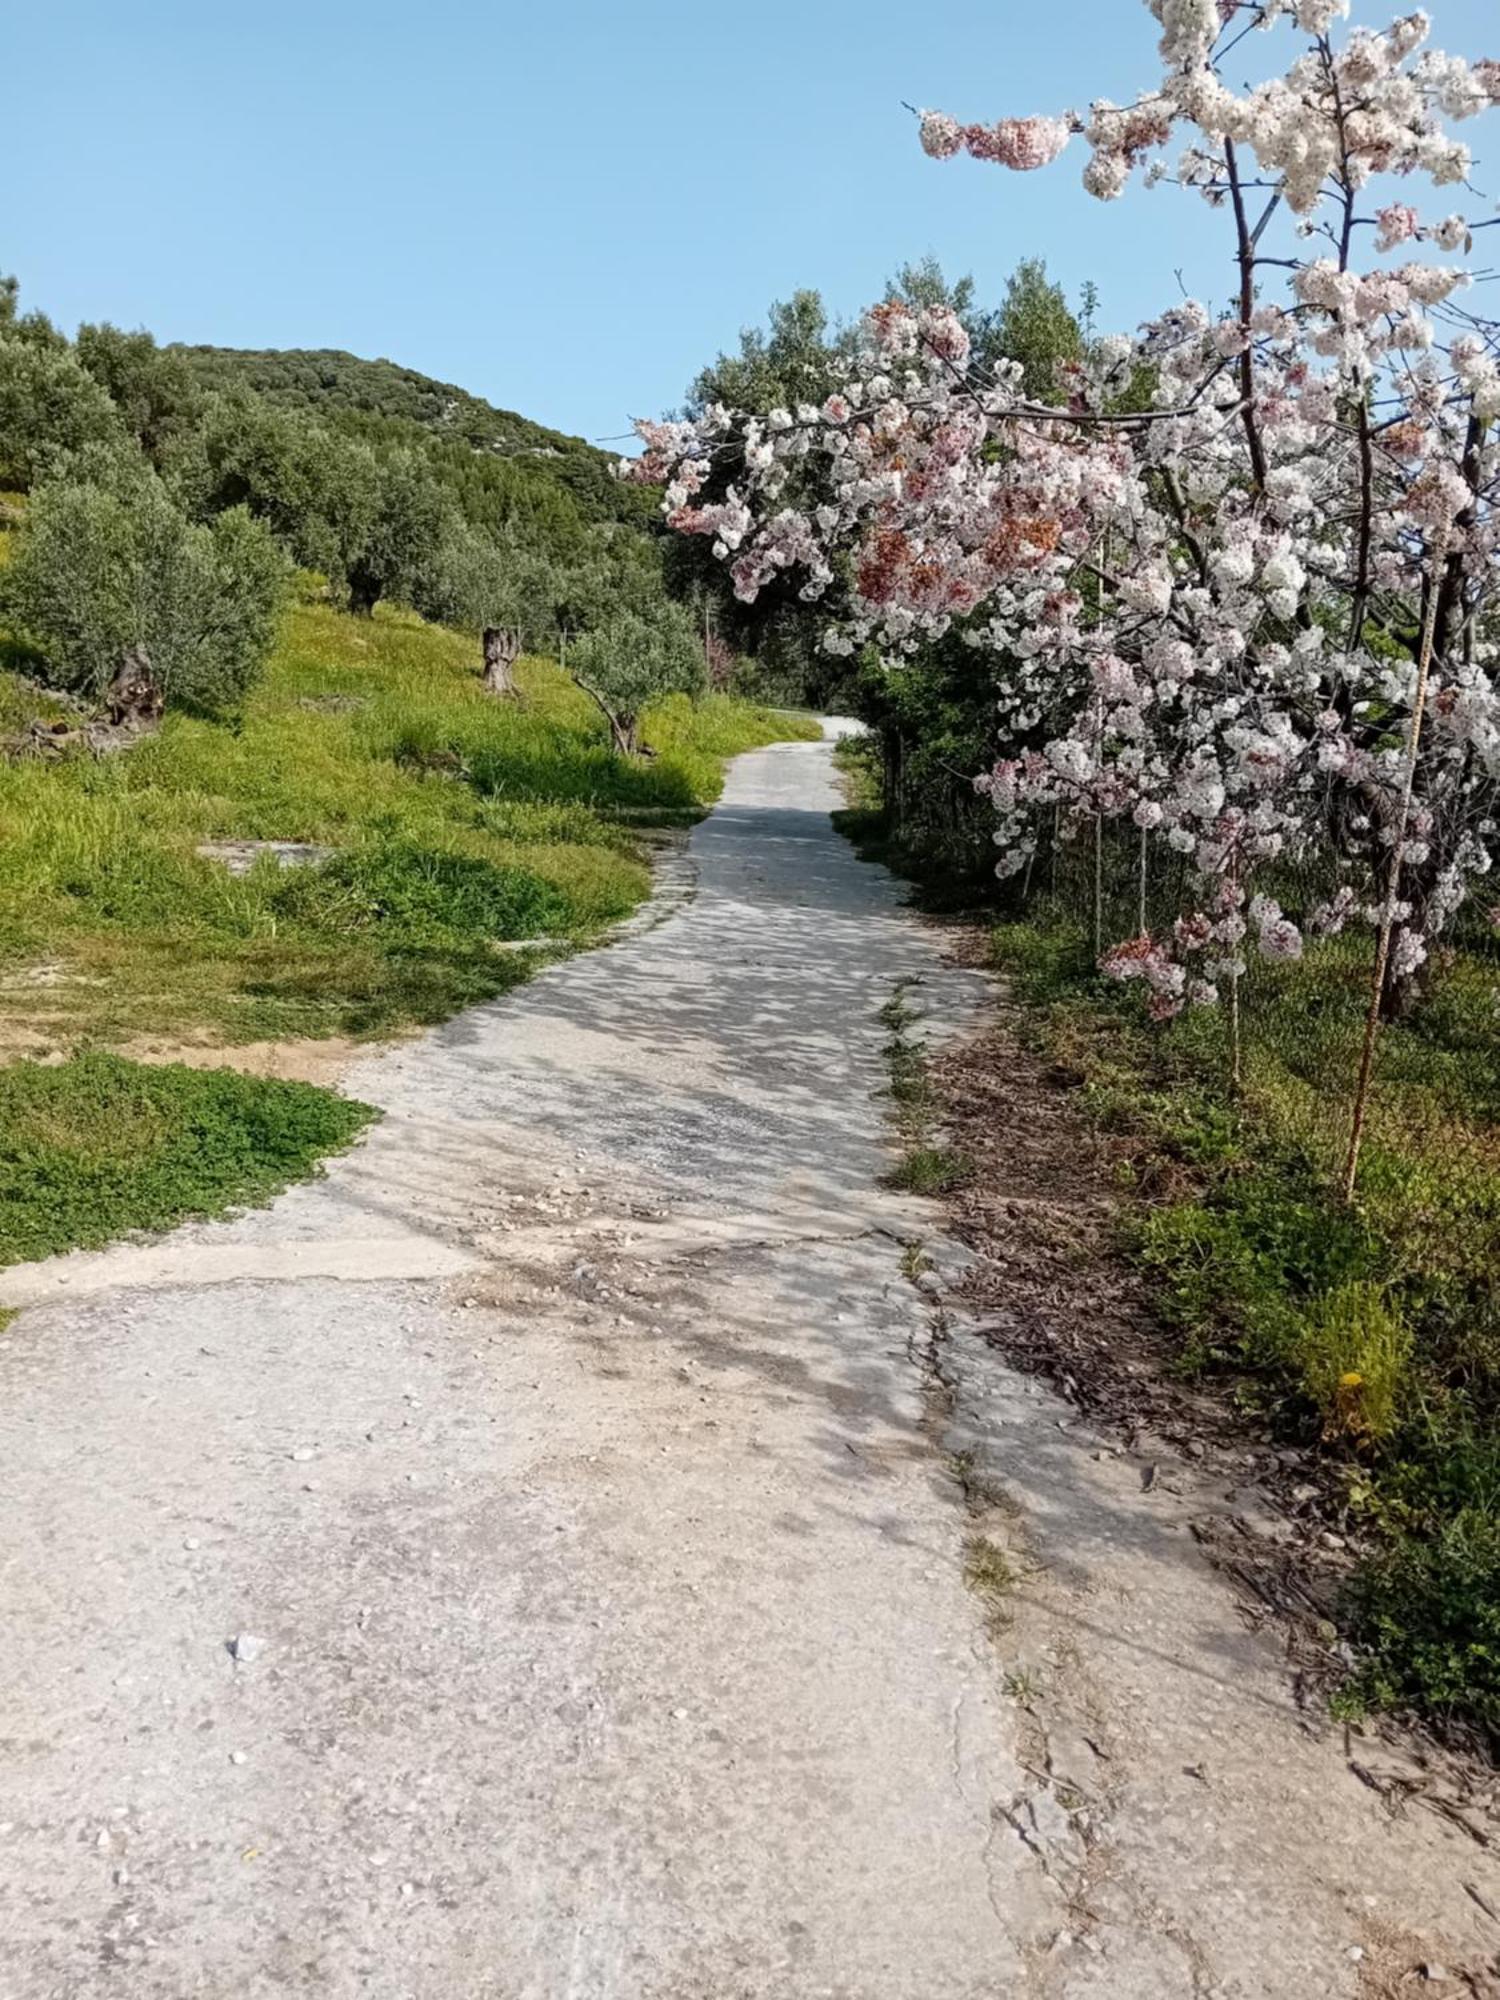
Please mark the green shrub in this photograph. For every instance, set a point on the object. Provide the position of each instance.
(1353, 1351)
(1240, 1265)
(49, 405)
(631, 661)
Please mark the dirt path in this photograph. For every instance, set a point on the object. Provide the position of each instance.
(574, 1466)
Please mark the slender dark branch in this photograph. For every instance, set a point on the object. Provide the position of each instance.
(1247, 308)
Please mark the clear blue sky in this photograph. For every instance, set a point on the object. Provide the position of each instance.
(565, 205)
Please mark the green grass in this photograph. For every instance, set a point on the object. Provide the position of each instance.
(1372, 1331)
(930, 1170)
(97, 1147)
(459, 821)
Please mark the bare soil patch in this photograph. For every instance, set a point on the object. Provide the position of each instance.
(323, 1062)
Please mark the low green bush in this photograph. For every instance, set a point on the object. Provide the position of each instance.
(96, 1147)
(1427, 1612)
(415, 899)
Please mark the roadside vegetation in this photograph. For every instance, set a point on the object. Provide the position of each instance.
(97, 1147)
(1368, 1334)
(453, 823)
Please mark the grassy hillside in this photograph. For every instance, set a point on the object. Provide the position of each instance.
(456, 822)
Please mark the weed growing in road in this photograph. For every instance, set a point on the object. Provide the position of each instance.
(914, 1260)
(926, 1167)
(982, 1495)
(990, 1574)
(930, 1170)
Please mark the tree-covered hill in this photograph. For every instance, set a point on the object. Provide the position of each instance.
(337, 387)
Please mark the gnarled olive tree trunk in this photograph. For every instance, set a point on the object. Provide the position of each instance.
(502, 648)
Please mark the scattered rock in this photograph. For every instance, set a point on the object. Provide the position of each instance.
(246, 1648)
(1050, 1820)
(240, 856)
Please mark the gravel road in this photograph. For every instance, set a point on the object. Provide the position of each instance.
(527, 1565)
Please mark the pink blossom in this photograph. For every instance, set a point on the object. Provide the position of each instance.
(1018, 143)
(1398, 224)
(1199, 616)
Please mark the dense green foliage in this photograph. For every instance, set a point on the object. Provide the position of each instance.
(383, 483)
(535, 465)
(49, 405)
(96, 1147)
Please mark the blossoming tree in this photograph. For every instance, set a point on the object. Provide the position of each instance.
(1243, 566)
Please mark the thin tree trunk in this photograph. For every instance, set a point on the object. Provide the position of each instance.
(1236, 1072)
(1393, 877)
(1098, 886)
(1141, 900)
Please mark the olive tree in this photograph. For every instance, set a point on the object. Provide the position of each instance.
(153, 388)
(629, 661)
(394, 554)
(106, 565)
(49, 405)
